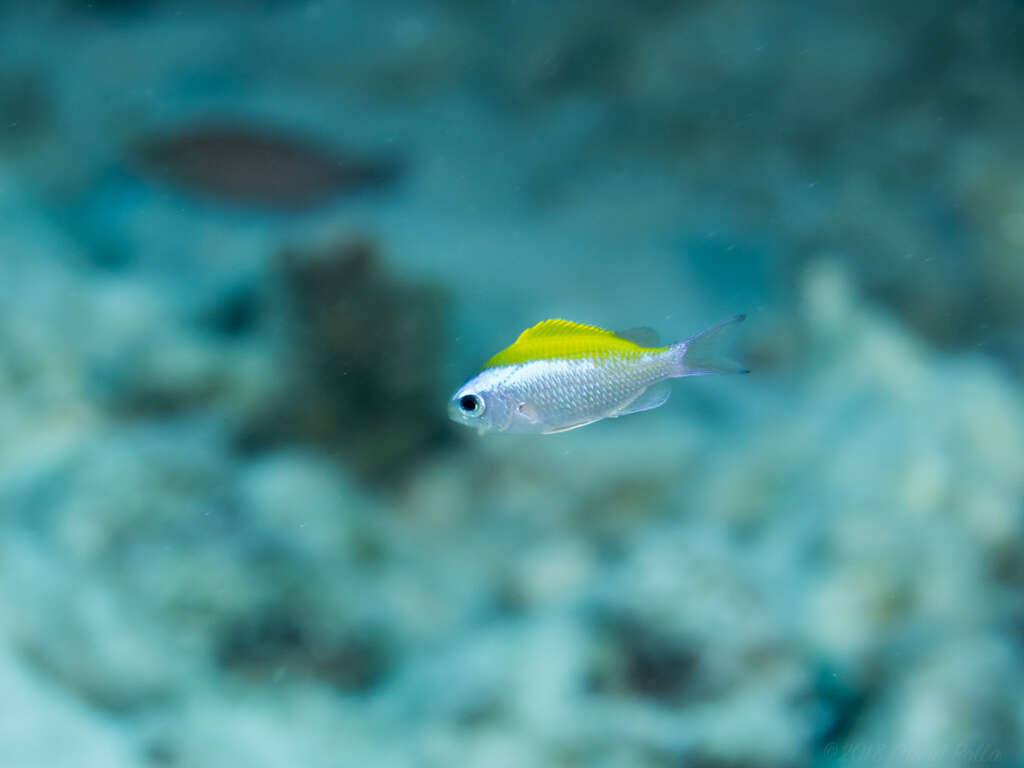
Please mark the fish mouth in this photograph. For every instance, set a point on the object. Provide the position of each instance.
(453, 411)
(455, 414)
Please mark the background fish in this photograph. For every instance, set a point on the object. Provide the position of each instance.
(560, 375)
(260, 166)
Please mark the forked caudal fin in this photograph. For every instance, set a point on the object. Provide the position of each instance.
(694, 356)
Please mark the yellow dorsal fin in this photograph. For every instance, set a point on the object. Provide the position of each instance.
(558, 327)
(560, 339)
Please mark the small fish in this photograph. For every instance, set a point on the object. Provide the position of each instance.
(560, 375)
(258, 166)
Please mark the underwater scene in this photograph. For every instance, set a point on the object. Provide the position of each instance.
(371, 394)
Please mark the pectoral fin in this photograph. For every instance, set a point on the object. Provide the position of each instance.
(528, 412)
(654, 396)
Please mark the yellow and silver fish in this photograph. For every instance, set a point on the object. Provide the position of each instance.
(560, 375)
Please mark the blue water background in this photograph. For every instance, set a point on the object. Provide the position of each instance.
(236, 528)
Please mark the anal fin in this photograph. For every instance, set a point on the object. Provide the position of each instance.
(654, 396)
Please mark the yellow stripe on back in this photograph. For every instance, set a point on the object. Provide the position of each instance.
(558, 339)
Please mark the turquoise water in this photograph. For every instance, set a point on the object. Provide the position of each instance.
(249, 249)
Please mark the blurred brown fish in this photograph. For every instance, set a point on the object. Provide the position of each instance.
(258, 166)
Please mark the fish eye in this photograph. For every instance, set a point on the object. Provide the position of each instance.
(471, 404)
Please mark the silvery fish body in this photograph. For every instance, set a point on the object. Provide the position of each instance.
(560, 375)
